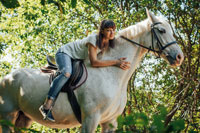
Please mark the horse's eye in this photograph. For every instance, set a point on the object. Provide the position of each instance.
(161, 30)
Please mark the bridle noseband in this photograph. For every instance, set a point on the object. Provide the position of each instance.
(159, 44)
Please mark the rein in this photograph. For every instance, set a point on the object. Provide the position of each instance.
(151, 48)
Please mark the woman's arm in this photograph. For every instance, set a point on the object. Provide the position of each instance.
(103, 63)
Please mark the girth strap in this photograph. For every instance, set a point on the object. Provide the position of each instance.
(74, 104)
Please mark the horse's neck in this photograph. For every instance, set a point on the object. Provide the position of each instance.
(134, 54)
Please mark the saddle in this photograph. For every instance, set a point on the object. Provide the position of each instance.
(77, 78)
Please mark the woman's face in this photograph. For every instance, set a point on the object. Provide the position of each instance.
(109, 33)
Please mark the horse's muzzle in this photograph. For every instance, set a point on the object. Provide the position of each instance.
(175, 60)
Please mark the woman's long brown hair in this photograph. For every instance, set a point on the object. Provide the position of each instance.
(105, 24)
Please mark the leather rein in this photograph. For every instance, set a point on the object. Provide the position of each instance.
(151, 48)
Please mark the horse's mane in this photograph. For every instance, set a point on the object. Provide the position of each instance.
(139, 28)
(134, 30)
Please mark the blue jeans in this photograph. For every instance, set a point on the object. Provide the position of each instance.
(65, 66)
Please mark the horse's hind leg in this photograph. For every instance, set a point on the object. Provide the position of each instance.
(22, 121)
(17, 119)
(8, 121)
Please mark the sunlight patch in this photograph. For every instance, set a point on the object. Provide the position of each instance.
(21, 91)
(1, 100)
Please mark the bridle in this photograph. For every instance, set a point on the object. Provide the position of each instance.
(154, 36)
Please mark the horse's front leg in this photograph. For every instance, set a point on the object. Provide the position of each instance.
(109, 126)
(90, 123)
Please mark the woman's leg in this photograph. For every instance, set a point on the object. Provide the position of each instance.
(65, 66)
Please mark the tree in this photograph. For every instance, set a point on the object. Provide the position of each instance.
(36, 28)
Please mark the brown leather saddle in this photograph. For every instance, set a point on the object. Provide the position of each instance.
(78, 77)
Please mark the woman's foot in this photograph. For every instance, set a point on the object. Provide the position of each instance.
(50, 116)
(45, 110)
(46, 113)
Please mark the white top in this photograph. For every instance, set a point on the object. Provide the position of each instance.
(78, 49)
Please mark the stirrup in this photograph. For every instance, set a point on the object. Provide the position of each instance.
(43, 111)
(46, 113)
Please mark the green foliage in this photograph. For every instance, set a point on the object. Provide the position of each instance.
(138, 119)
(140, 122)
(15, 3)
(73, 3)
(9, 124)
(10, 3)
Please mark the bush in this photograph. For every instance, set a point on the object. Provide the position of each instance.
(140, 122)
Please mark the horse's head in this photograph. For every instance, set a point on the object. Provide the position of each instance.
(163, 41)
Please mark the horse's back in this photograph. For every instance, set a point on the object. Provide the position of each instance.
(15, 85)
(33, 88)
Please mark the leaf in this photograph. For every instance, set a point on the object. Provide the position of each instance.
(178, 125)
(73, 3)
(42, 2)
(5, 122)
(51, 1)
(10, 3)
(142, 119)
(120, 121)
(86, 1)
(163, 111)
(63, 0)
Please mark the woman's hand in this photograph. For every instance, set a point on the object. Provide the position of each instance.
(123, 64)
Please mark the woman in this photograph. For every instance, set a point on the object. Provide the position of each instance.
(89, 46)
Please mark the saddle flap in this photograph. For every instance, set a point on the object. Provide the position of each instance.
(78, 76)
(76, 68)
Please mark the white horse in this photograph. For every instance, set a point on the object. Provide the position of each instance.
(102, 97)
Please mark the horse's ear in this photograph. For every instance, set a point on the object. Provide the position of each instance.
(151, 16)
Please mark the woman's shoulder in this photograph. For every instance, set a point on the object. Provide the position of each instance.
(92, 36)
